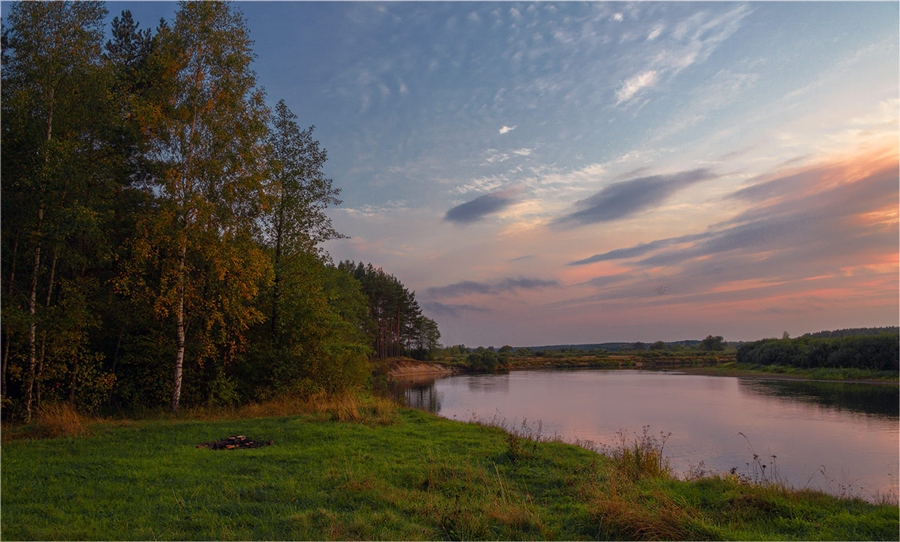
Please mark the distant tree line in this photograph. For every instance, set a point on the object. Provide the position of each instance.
(879, 352)
(853, 332)
(161, 226)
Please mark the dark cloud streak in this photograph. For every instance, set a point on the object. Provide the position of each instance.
(479, 208)
(627, 198)
(447, 309)
(637, 250)
(493, 288)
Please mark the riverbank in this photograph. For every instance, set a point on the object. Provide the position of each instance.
(410, 369)
(779, 372)
(711, 365)
(380, 475)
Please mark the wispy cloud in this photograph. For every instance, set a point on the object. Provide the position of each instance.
(467, 287)
(624, 199)
(631, 86)
(370, 211)
(691, 41)
(507, 129)
(480, 207)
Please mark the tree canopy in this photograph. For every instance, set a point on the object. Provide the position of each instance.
(162, 227)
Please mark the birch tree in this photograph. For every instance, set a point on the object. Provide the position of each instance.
(194, 256)
(52, 78)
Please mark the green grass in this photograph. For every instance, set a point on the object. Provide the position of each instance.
(418, 477)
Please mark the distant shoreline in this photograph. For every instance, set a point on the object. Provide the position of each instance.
(407, 369)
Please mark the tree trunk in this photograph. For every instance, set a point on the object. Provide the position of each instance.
(279, 229)
(179, 354)
(73, 381)
(32, 325)
(12, 280)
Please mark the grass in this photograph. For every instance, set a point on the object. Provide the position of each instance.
(362, 469)
(820, 373)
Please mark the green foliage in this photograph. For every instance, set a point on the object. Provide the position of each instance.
(398, 325)
(712, 344)
(484, 359)
(162, 228)
(874, 352)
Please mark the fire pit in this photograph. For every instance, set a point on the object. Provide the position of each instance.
(235, 443)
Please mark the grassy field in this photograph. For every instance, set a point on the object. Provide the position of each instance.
(371, 471)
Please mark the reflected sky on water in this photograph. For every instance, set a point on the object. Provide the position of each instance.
(831, 436)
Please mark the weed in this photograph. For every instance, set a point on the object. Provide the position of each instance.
(643, 458)
(759, 472)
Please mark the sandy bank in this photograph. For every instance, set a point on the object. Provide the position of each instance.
(407, 369)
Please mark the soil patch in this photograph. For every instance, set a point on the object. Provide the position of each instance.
(235, 443)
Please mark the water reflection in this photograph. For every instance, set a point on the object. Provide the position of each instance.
(418, 394)
(883, 401)
(489, 383)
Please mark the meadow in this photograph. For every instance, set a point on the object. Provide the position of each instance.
(365, 469)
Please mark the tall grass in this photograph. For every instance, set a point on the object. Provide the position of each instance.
(55, 420)
(643, 457)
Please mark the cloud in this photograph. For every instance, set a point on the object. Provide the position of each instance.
(826, 232)
(490, 288)
(507, 129)
(480, 207)
(635, 84)
(636, 250)
(624, 199)
(454, 310)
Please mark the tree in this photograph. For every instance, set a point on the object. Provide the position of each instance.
(194, 258)
(399, 327)
(296, 223)
(712, 344)
(54, 86)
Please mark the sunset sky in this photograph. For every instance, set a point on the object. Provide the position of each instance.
(558, 173)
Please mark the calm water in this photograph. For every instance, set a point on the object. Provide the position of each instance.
(842, 438)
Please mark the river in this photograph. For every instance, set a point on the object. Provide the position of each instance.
(842, 438)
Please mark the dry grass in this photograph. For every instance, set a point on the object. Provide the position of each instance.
(349, 407)
(341, 408)
(635, 515)
(59, 420)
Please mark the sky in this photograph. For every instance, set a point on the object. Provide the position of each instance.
(584, 172)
